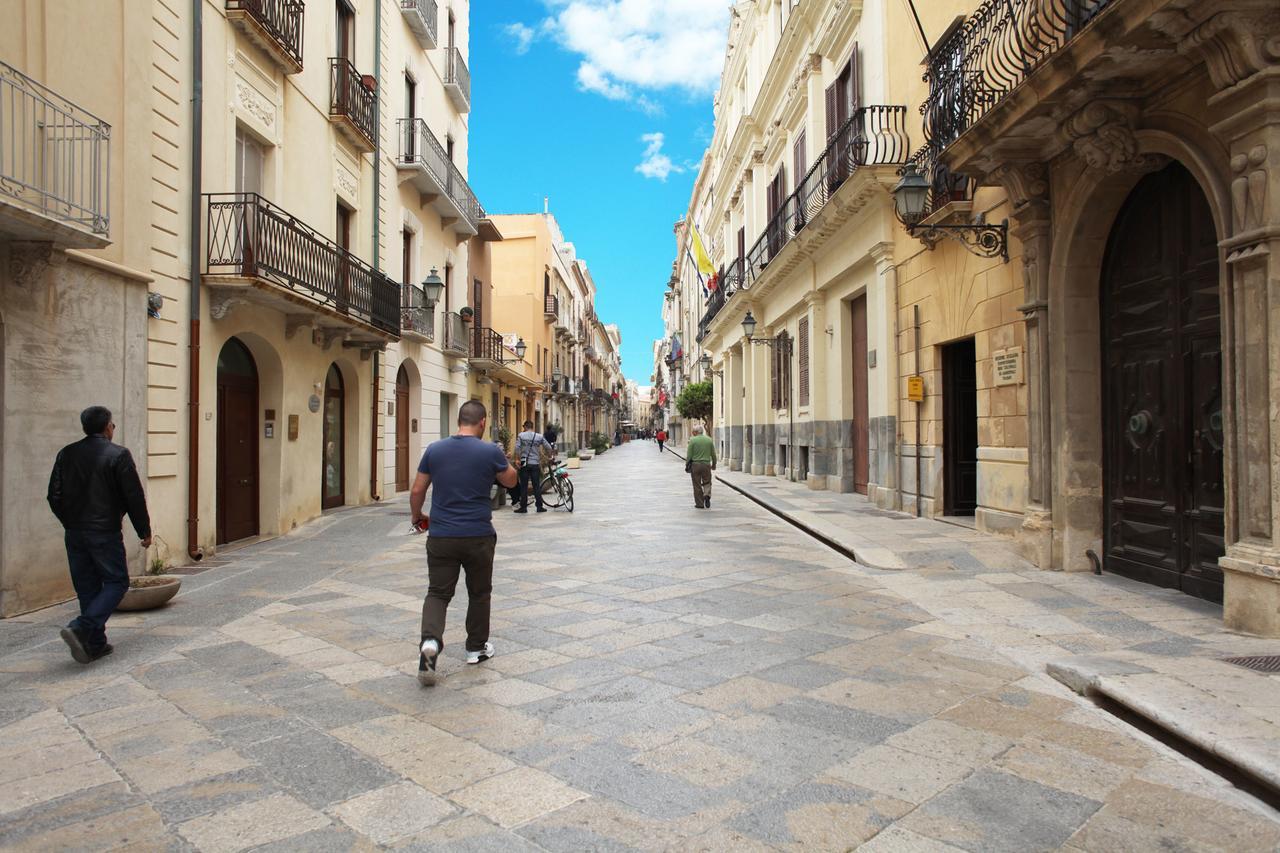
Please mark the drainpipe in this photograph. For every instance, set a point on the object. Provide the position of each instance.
(919, 406)
(373, 467)
(377, 233)
(193, 345)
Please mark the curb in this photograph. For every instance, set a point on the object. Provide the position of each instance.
(833, 544)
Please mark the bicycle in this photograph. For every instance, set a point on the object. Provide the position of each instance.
(557, 488)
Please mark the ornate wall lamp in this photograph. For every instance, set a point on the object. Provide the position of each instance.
(911, 203)
(705, 364)
(432, 287)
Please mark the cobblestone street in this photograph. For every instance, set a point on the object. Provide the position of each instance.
(665, 678)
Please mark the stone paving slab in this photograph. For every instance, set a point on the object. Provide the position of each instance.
(666, 678)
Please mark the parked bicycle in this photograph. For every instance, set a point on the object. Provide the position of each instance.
(557, 488)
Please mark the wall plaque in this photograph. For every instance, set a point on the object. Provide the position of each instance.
(1008, 366)
(915, 389)
(313, 403)
(293, 427)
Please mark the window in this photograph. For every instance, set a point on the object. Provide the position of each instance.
(448, 285)
(343, 236)
(346, 31)
(249, 159)
(410, 97)
(451, 28)
(406, 256)
(780, 372)
(803, 348)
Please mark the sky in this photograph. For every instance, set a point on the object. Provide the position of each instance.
(605, 107)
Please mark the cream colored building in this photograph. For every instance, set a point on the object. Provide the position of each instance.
(272, 235)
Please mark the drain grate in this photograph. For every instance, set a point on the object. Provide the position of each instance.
(1258, 663)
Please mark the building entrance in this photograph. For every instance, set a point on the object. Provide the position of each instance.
(861, 444)
(237, 465)
(333, 488)
(1162, 425)
(960, 428)
(402, 430)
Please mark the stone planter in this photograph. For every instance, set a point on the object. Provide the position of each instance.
(584, 455)
(149, 592)
(573, 463)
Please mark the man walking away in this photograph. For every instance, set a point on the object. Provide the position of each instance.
(93, 485)
(462, 468)
(662, 439)
(701, 454)
(529, 448)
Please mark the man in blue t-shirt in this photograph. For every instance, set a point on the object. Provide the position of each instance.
(462, 468)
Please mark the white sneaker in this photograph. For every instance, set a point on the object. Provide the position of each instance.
(480, 654)
(430, 648)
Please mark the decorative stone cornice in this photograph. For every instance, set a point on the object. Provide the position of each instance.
(1236, 44)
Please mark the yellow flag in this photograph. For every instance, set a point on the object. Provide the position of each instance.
(700, 256)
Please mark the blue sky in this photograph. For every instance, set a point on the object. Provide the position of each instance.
(568, 99)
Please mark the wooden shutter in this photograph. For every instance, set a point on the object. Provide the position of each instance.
(800, 160)
(855, 80)
(773, 378)
(804, 361)
(831, 111)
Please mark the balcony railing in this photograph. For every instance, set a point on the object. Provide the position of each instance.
(457, 79)
(275, 24)
(351, 101)
(487, 346)
(457, 338)
(991, 54)
(551, 308)
(248, 237)
(54, 157)
(873, 136)
(417, 319)
(420, 150)
(422, 17)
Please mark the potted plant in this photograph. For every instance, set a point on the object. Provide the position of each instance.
(155, 588)
(466, 312)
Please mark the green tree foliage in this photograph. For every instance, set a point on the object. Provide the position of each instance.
(694, 401)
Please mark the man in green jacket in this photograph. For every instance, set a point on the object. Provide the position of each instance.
(702, 461)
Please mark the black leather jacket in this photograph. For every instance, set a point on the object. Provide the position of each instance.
(94, 483)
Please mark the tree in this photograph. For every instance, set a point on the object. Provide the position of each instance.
(695, 401)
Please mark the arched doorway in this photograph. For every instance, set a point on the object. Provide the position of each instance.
(402, 429)
(333, 489)
(237, 466)
(1163, 493)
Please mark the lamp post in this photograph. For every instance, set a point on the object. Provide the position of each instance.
(783, 346)
(521, 348)
(911, 205)
(432, 287)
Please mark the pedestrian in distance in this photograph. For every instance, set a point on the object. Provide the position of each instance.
(93, 486)
(700, 459)
(460, 470)
(662, 439)
(530, 450)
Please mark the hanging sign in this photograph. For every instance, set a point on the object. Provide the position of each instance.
(915, 389)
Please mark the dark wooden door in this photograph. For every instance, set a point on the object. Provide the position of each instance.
(1162, 389)
(402, 430)
(861, 462)
(333, 491)
(960, 428)
(237, 464)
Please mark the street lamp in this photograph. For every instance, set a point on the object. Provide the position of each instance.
(705, 364)
(749, 325)
(911, 205)
(432, 286)
(521, 349)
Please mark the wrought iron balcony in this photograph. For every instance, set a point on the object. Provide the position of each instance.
(54, 166)
(487, 349)
(417, 318)
(997, 48)
(353, 106)
(456, 337)
(254, 246)
(423, 159)
(274, 25)
(422, 17)
(457, 80)
(551, 308)
(873, 136)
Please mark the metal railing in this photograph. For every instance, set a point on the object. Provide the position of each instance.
(427, 11)
(873, 136)
(54, 156)
(945, 186)
(349, 97)
(279, 19)
(416, 317)
(551, 307)
(455, 334)
(248, 237)
(419, 145)
(456, 73)
(991, 54)
(486, 345)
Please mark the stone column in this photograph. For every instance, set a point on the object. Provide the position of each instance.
(824, 408)
(1032, 224)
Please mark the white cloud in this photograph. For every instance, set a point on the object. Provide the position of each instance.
(629, 46)
(656, 165)
(520, 34)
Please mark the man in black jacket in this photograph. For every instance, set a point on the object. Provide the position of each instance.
(93, 485)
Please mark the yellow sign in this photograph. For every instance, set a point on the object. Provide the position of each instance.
(915, 389)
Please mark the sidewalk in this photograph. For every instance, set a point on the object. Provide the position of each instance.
(1156, 652)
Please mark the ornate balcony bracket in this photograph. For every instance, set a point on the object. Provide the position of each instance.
(220, 304)
(982, 239)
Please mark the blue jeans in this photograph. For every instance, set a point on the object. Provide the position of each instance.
(530, 479)
(100, 574)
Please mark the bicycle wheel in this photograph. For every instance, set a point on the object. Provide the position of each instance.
(551, 495)
(568, 495)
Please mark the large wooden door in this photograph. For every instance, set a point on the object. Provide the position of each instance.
(402, 430)
(861, 462)
(960, 428)
(333, 491)
(1162, 389)
(237, 464)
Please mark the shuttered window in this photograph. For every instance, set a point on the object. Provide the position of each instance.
(775, 377)
(803, 349)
